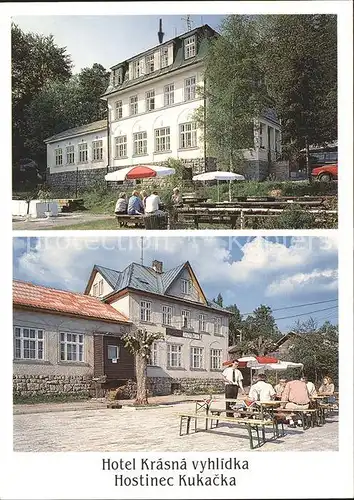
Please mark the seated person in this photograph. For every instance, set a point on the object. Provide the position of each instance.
(261, 390)
(143, 196)
(135, 205)
(310, 387)
(327, 387)
(295, 397)
(280, 387)
(176, 197)
(121, 205)
(152, 204)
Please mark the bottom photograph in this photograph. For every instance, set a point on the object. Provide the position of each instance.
(175, 344)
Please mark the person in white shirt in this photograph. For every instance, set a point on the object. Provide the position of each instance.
(152, 204)
(233, 381)
(310, 387)
(261, 390)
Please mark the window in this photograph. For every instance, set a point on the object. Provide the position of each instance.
(29, 343)
(121, 146)
(70, 155)
(277, 140)
(215, 359)
(118, 110)
(71, 347)
(261, 135)
(162, 139)
(202, 323)
(145, 311)
(97, 148)
(134, 105)
(150, 63)
(197, 357)
(333, 156)
(113, 352)
(140, 143)
(95, 290)
(136, 69)
(174, 355)
(83, 152)
(188, 135)
(153, 360)
(166, 315)
(217, 326)
(150, 100)
(164, 57)
(169, 94)
(189, 88)
(186, 286)
(58, 157)
(100, 287)
(117, 76)
(189, 47)
(186, 319)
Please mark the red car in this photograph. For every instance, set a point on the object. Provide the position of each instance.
(326, 173)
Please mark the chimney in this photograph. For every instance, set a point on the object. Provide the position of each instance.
(160, 33)
(157, 266)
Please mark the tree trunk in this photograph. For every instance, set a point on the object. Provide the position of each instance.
(141, 380)
(308, 166)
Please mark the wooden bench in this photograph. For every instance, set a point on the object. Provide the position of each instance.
(309, 417)
(124, 220)
(249, 423)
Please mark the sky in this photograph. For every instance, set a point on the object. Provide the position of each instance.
(280, 272)
(109, 40)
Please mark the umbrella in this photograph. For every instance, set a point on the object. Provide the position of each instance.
(281, 365)
(139, 172)
(219, 175)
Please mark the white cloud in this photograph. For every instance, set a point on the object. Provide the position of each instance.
(326, 279)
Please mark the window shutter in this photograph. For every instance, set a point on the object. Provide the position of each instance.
(142, 66)
(157, 60)
(130, 71)
(170, 54)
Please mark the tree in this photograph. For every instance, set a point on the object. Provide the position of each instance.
(92, 84)
(299, 61)
(234, 91)
(235, 325)
(139, 343)
(36, 60)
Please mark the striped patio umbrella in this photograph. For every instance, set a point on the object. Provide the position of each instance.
(139, 172)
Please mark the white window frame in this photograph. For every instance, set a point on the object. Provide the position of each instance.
(164, 57)
(167, 315)
(95, 290)
(118, 110)
(121, 146)
(187, 135)
(197, 358)
(117, 76)
(190, 85)
(169, 94)
(97, 150)
(111, 346)
(58, 157)
(162, 139)
(29, 341)
(100, 287)
(202, 322)
(217, 326)
(174, 356)
(150, 100)
(136, 69)
(70, 155)
(153, 359)
(75, 339)
(83, 152)
(145, 311)
(150, 63)
(190, 47)
(186, 318)
(215, 359)
(140, 143)
(186, 287)
(133, 105)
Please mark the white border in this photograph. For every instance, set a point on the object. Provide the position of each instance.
(272, 475)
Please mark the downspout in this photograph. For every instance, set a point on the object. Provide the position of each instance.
(108, 143)
(205, 127)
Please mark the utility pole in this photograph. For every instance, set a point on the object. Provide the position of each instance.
(188, 21)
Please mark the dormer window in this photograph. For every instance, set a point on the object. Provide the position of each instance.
(164, 57)
(136, 69)
(189, 47)
(150, 63)
(117, 76)
(186, 286)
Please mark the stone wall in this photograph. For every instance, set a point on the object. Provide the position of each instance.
(280, 170)
(161, 386)
(255, 170)
(32, 385)
(91, 178)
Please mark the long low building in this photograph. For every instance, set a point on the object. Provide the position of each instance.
(151, 102)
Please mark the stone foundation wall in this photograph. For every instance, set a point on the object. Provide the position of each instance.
(280, 170)
(256, 170)
(32, 385)
(92, 178)
(161, 386)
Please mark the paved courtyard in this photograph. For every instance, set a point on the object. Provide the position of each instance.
(63, 219)
(148, 429)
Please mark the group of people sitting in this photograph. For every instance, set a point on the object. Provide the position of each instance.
(143, 203)
(295, 394)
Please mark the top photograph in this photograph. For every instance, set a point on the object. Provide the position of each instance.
(174, 122)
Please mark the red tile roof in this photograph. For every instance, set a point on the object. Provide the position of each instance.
(49, 299)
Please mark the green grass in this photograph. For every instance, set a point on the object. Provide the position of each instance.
(50, 398)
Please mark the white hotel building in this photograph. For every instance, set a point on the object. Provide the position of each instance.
(151, 99)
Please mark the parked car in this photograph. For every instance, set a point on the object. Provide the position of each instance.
(325, 173)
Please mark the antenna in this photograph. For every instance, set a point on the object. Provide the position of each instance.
(188, 21)
(201, 20)
(160, 33)
(142, 250)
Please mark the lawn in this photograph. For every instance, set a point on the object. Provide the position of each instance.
(95, 224)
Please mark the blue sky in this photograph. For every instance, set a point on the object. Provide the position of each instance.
(109, 39)
(248, 271)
